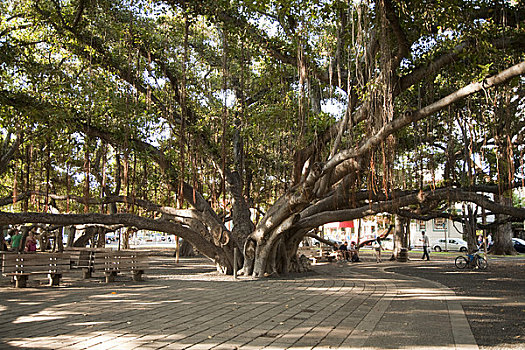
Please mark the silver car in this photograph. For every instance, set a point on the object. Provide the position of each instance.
(453, 244)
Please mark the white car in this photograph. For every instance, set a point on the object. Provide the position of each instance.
(453, 244)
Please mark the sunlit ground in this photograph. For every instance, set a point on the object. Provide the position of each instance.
(190, 306)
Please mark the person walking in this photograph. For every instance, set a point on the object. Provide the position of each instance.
(425, 246)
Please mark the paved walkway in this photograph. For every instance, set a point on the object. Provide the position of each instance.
(340, 306)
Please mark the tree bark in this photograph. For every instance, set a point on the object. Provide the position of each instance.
(399, 235)
(3, 244)
(71, 231)
(503, 236)
(469, 228)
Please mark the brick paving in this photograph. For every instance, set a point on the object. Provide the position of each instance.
(189, 306)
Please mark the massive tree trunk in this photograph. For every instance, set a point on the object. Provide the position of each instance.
(186, 249)
(400, 235)
(469, 228)
(503, 236)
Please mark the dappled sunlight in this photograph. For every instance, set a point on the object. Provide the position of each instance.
(433, 267)
(421, 297)
(121, 300)
(156, 302)
(115, 295)
(90, 339)
(90, 323)
(473, 298)
(499, 279)
(513, 304)
(209, 310)
(31, 303)
(444, 312)
(436, 294)
(41, 317)
(408, 291)
(458, 272)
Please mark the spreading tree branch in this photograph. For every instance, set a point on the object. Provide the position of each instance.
(402, 121)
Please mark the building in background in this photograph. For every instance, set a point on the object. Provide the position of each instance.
(371, 227)
(356, 230)
(438, 228)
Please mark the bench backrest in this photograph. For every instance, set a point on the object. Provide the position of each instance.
(309, 251)
(102, 259)
(34, 263)
(83, 257)
(120, 260)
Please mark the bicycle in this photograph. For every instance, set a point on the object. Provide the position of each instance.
(475, 260)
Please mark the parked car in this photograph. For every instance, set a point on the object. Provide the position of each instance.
(519, 245)
(453, 244)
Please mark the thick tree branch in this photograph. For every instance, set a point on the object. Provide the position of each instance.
(431, 68)
(408, 118)
(28, 104)
(8, 153)
(403, 45)
(321, 239)
(394, 205)
(80, 10)
(161, 225)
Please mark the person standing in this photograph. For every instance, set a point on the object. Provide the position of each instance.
(425, 246)
(16, 239)
(31, 243)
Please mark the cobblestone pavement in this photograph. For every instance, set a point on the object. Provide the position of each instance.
(189, 306)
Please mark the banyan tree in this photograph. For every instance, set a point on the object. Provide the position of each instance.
(247, 124)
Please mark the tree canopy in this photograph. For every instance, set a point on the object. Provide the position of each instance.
(246, 124)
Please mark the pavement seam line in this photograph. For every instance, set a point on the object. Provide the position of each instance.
(461, 331)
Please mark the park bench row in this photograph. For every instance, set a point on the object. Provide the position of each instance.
(20, 266)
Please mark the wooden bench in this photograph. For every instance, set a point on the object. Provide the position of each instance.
(84, 259)
(110, 262)
(20, 266)
(316, 254)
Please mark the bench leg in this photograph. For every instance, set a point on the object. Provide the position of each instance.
(86, 273)
(54, 279)
(110, 276)
(137, 275)
(20, 281)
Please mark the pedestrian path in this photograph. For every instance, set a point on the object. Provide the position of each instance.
(338, 306)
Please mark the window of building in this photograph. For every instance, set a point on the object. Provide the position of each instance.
(440, 224)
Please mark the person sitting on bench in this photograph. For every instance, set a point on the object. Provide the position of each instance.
(343, 251)
(354, 253)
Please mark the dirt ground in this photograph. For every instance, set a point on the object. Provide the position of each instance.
(493, 299)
